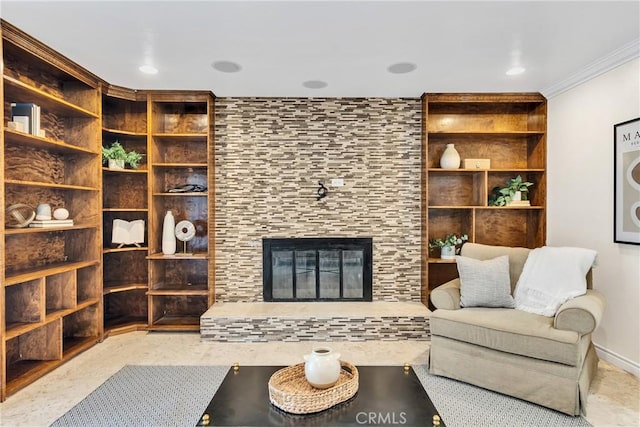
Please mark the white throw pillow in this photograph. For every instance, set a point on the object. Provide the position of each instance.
(485, 283)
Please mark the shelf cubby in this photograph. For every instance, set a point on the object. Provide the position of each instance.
(61, 291)
(24, 303)
(181, 312)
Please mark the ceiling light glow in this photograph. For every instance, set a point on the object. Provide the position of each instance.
(148, 69)
(514, 71)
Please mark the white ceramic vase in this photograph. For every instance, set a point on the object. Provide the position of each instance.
(322, 367)
(168, 234)
(448, 252)
(450, 158)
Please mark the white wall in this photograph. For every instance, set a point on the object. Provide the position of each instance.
(580, 199)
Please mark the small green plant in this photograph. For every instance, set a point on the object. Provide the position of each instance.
(451, 239)
(117, 152)
(502, 196)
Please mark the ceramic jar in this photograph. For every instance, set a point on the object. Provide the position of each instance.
(322, 367)
(168, 234)
(450, 158)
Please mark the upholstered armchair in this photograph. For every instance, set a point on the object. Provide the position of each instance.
(547, 360)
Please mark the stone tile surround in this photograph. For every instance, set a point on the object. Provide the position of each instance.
(319, 321)
(270, 155)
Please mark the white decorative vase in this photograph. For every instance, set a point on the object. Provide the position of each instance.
(448, 252)
(322, 367)
(450, 158)
(168, 234)
(517, 196)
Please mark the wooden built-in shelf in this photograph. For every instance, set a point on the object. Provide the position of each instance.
(29, 230)
(161, 256)
(510, 131)
(111, 288)
(139, 170)
(180, 135)
(17, 91)
(441, 261)
(16, 329)
(125, 210)
(179, 323)
(193, 194)
(36, 273)
(26, 139)
(180, 165)
(49, 185)
(124, 249)
(124, 132)
(166, 292)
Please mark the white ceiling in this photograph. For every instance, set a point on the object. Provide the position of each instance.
(457, 46)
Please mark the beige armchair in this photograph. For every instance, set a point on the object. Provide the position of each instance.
(545, 360)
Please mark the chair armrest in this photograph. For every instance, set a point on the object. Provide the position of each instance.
(447, 295)
(581, 314)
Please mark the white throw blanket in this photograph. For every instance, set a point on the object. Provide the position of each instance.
(552, 276)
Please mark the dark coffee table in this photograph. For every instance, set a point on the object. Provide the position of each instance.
(387, 396)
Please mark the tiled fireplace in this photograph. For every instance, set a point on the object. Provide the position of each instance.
(271, 153)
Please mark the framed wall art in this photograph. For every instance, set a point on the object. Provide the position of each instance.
(626, 209)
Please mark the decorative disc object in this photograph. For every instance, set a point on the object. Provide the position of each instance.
(185, 231)
(20, 215)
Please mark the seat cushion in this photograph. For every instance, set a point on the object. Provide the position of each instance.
(511, 331)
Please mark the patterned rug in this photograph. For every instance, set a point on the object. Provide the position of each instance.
(177, 395)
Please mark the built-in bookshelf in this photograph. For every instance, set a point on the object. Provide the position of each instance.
(181, 287)
(125, 197)
(510, 131)
(50, 297)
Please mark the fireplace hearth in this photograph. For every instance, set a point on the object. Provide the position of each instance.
(317, 269)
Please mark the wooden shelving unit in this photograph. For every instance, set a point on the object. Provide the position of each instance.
(508, 129)
(181, 288)
(50, 293)
(125, 196)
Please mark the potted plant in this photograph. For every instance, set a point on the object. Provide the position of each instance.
(516, 190)
(448, 245)
(116, 157)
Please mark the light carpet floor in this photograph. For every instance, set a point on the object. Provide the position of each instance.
(177, 396)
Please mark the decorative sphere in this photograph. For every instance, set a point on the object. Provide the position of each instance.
(61, 213)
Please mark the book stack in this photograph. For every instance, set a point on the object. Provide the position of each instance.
(519, 203)
(28, 115)
(51, 223)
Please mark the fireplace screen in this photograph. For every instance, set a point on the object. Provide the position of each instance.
(323, 269)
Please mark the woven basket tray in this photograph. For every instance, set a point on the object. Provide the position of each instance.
(290, 391)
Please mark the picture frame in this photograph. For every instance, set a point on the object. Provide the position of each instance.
(626, 208)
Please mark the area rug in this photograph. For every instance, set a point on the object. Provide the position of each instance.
(171, 396)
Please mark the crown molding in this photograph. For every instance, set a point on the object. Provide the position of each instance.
(616, 58)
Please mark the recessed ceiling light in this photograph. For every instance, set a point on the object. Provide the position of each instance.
(514, 71)
(315, 84)
(402, 68)
(148, 69)
(226, 66)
